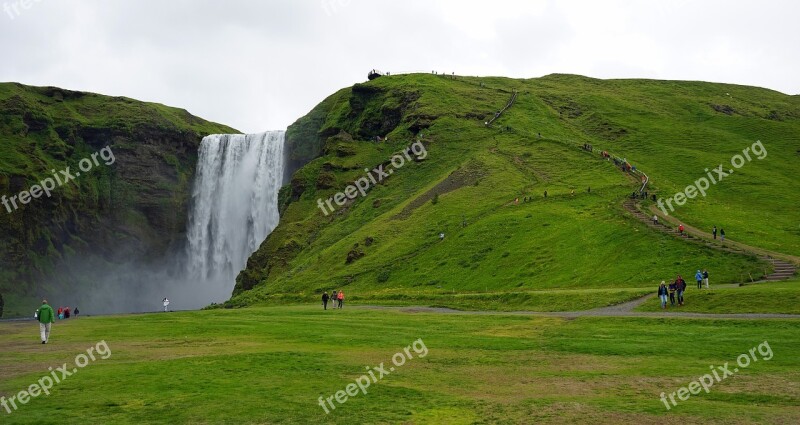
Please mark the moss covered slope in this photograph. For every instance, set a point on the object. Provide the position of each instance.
(387, 243)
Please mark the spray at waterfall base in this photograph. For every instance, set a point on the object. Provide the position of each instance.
(363, 184)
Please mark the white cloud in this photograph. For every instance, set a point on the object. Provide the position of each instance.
(260, 65)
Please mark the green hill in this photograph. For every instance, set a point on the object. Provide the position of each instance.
(385, 246)
(131, 207)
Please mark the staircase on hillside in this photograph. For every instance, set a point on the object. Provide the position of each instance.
(499, 113)
(783, 270)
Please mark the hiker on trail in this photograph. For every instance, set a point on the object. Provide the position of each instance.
(662, 293)
(655, 219)
(699, 278)
(333, 298)
(325, 300)
(680, 229)
(166, 304)
(341, 298)
(46, 320)
(681, 284)
(66, 312)
(722, 234)
(705, 277)
(61, 313)
(714, 232)
(672, 288)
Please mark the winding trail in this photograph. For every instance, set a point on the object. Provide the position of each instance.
(619, 310)
(783, 264)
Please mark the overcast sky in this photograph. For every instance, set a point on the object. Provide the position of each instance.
(259, 65)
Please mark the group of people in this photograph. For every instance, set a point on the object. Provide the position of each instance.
(721, 233)
(46, 317)
(676, 288)
(336, 298)
(62, 312)
(65, 313)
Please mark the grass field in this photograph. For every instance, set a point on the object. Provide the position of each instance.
(270, 365)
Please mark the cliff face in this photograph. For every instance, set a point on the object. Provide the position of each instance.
(344, 125)
(130, 204)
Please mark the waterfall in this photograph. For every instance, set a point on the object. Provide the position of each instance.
(234, 205)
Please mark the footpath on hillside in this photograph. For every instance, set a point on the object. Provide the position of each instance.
(619, 310)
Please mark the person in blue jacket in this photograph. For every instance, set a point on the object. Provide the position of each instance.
(699, 278)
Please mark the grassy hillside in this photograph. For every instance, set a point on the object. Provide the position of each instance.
(466, 186)
(131, 208)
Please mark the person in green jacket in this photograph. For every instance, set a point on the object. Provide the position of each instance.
(46, 319)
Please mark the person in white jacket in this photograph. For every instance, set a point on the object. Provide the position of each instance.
(166, 304)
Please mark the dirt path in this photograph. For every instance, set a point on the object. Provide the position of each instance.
(730, 244)
(620, 310)
(783, 265)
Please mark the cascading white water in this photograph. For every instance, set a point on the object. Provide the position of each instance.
(234, 205)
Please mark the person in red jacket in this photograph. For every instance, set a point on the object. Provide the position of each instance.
(680, 229)
(341, 298)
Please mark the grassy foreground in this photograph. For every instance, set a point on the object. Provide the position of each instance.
(270, 365)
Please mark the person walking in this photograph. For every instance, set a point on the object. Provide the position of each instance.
(325, 300)
(699, 278)
(662, 293)
(166, 304)
(334, 299)
(672, 288)
(722, 234)
(705, 277)
(60, 313)
(680, 229)
(714, 232)
(681, 287)
(77, 312)
(46, 320)
(655, 219)
(341, 298)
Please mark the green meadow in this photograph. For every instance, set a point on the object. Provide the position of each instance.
(271, 365)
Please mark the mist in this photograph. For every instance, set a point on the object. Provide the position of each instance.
(233, 209)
